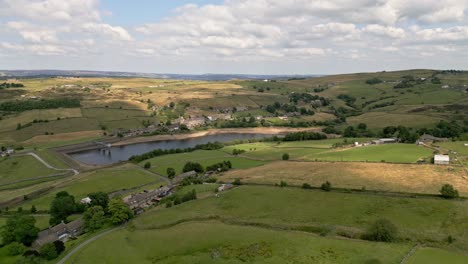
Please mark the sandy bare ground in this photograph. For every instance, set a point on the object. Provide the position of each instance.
(373, 176)
(259, 130)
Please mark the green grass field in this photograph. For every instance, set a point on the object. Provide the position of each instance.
(321, 150)
(436, 256)
(56, 127)
(105, 180)
(14, 169)
(458, 146)
(416, 219)
(11, 121)
(379, 120)
(204, 157)
(213, 242)
(405, 153)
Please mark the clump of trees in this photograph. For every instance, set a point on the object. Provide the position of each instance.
(193, 166)
(20, 228)
(374, 81)
(221, 166)
(161, 152)
(382, 230)
(11, 85)
(20, 106)
(237, 151)
(304, 135)
(119, 212)
(62, 206)
(348, 99)
(326, 186)
(171, 173)
(447, 191)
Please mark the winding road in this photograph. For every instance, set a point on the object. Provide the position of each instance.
(75, 172)
(80, 246)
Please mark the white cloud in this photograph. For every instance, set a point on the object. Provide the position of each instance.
(270, 32)
(116, 33)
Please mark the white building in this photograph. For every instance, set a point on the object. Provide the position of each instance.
(441, 159)
(85, 200)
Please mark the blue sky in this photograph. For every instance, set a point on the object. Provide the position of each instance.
(234, 36)
(131, 13)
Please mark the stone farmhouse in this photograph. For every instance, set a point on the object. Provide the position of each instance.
(60, 232)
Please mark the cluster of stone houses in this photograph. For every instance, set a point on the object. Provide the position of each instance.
(428, 139)
(137, 202)
(60, 232)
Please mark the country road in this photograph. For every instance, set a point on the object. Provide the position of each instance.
(75, 172)
(73, 251)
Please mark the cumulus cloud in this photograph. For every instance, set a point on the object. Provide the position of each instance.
(241, 31)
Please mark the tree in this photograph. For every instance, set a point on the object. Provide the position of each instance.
(120, 213)
(362, 126)
(94, 218)
(382, 230)
(171, 104)
(306, 186)
(285, 156)
(59, 246)
(15, 249)
(20, 228)
(447, 191)
(237, 181)
(33, 209)
(171, 173)
(192, 166)
(147, 165)
(61, 207)
(283, 184)
(99, 199)
(326, 186)
(48, 251)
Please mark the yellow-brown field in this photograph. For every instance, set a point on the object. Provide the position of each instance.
(372, 176)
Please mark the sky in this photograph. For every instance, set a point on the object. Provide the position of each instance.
(234, 36)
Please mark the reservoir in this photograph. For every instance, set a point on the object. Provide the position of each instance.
(122, 153)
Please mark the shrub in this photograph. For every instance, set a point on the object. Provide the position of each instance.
(237, 182)
(15, 249)
(382, 230)
(147, 165)
(326, 186)
(285, 156)
(283, 184)
(193, 166)
(48, 251)
(306, 186)
(59, 246)
(447, 191)
(171, 173)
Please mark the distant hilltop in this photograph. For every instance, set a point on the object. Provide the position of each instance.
(203, 77)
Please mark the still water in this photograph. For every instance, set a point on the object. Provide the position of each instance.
(123, 153)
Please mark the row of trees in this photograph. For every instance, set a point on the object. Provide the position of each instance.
(161, 152)
(20, 106)
(10, 85)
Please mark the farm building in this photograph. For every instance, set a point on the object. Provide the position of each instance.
(184, 175)
(85, 200)
(427, 139)
(384, 141)
(441, 159)
(60, 232)
(144, 199)
(225, 187)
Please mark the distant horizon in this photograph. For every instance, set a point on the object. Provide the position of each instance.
(223, 73)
